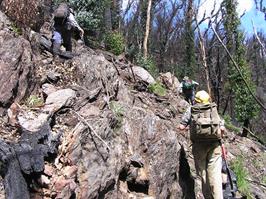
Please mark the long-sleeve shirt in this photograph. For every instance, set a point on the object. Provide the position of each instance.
(181, 85)
(71, 19)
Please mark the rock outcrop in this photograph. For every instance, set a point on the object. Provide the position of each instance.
(116, 141)
(98, 134)
(17, 68)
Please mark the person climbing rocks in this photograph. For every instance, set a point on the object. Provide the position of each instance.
(64, 25)
(206, 129)
(188, 87)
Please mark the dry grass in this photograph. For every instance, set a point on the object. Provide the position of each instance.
(26, 13)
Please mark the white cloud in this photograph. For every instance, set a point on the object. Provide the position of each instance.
(206, 6)
(245, 6)
(124, 4)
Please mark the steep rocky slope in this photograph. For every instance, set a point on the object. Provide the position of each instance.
(99, 133)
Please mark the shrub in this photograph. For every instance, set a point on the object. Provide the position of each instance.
(229, 125)
(148, 64)
(114, 42)
(16, 29)
(242, 174)
(34, 101)
(118, 111)
(117, 108)
(89, 13)
(157, 88)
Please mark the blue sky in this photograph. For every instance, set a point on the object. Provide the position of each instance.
(247, 6)
(257, 18)
(244, 6)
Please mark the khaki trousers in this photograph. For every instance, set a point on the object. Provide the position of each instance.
(208, 164)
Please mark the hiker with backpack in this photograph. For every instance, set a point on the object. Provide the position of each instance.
(64, 24)
(206, 129)
(188, 87)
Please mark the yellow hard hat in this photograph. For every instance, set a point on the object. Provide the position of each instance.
(202, 97)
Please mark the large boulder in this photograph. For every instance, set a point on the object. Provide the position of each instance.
(169, 80)
(143, 74)
(123, 148)
(16, 66)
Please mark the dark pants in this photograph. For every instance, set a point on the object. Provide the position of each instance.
(189, 96)
(62, 36)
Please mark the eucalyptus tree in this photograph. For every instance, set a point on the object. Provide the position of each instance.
(244, 105)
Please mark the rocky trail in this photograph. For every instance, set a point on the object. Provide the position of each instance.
(89, 127)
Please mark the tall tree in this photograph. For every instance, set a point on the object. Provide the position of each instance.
(147, 30)
(190, 61)
(112, 15)
(116, 6)
(244, 104)
(165, 35)
(260, 5)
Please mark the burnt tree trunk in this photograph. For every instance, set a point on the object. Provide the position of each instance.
(25, 158)
(245, 129)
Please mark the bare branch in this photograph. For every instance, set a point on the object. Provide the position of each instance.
(203, 56)
(239, 71)
(255, 32)
(129, 5)
(91, 129)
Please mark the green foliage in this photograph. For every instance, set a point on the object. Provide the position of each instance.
(117, 108)
(189, 38)
(229, 125)
(16, 29)
(246, 107)
(242, 174)
(263, 179)
(118, 111)
(114, 42)
(157, 88)
(190, 60)
(34, 101)
(148, 64)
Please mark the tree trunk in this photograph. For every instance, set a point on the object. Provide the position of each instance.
(147, 31)
(204, 60)
(108, 18)
(245, 131)
(116, 8)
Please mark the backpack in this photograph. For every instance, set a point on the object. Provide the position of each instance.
(187, 85)
(205, 123)
(61, 13)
